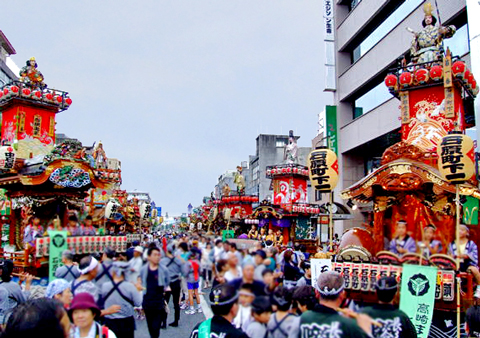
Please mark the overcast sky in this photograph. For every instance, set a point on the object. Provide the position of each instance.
(177, 90)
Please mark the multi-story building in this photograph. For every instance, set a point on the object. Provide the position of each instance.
(6, 49)
(370, 37)
(270, 150)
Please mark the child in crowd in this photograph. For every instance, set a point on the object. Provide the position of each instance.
(269, 281)
(307, 277)
(245, 299)
(261, 312)
(192, 271)
(282, 321)
(403, 243)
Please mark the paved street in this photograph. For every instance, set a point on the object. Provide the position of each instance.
(187, 323)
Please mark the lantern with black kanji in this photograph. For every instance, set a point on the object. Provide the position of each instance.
(323, 169)
(456, 158)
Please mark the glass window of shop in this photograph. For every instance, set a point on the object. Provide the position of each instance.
(371, 99)
(394, 19)
(4, 79)
(352, 4)
(459, 44)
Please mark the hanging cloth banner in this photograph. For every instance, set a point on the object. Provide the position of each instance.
(58, 244)
(418, 296)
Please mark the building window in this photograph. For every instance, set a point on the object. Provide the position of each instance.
(255, 173)
(352, 4)
(459, 44)
(37, 125)
(280, 143)
(21, 122)
(394, 19)
(4, 79)
(370, 100)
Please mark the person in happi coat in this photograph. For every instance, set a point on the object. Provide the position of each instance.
(429, 246)
(324, 321)
(395, 323)
(468, 255)
(403, 243)
(224, 303)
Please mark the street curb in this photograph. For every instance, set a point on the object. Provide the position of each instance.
(205, 308)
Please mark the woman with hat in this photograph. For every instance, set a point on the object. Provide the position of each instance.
(83, 313)
(59, 289)
(120, 292)
(468, 255)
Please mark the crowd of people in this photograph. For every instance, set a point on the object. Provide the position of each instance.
(258, 292)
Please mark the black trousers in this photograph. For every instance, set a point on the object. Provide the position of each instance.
(175, 293)
(155, 317)
(122, 327)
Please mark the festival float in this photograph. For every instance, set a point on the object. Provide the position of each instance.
(43, 182)
(421, 183)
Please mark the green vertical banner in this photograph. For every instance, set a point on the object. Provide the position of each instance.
(58, 243)
(332, 136)
(417, 296)
(470, 211)
(227, 234)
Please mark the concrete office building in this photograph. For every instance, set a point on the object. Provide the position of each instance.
(370, 37)
(6, 49)
(270, 151)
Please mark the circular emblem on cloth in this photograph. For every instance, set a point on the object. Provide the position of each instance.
(418, 285)
(58, 240)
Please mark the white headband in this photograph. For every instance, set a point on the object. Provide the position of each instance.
(93, 264)
(333, 292)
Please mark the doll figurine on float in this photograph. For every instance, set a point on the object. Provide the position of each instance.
(468, 255)
(253, 233)
(403, 243)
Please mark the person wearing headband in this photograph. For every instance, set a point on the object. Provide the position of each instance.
(281, 322)
(403, 243)
(429, 246)
(395, 323)
(59, 289)
(224, 304)
(468, 255)
(125, 294)
(324, 320)
(245, 299)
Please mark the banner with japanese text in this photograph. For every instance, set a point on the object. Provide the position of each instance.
(58, 244)
(418, 296)
(318, 266)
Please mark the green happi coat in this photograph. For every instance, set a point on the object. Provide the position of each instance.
(325, 322)
(396, 323)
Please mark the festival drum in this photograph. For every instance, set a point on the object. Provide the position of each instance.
(356, 243)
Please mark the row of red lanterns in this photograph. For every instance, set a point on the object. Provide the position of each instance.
(305, 209)
(36, 94)
(286, 171)
(228, 199)
(422, 76)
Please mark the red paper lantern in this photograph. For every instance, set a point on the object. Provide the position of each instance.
(26, 91)
(391, 81)
(469, 79)
(37, 94)
(459, 68)
(466, 76)
(421, 75)
(1, 94)
(295, 170)
(49, 96)
(289, 170)
(406, 79)
(68, 101)
(58, 98)
(436, 73)
(14, 89)
(5, 91)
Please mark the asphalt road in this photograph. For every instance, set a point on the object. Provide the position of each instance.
(187, 323)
